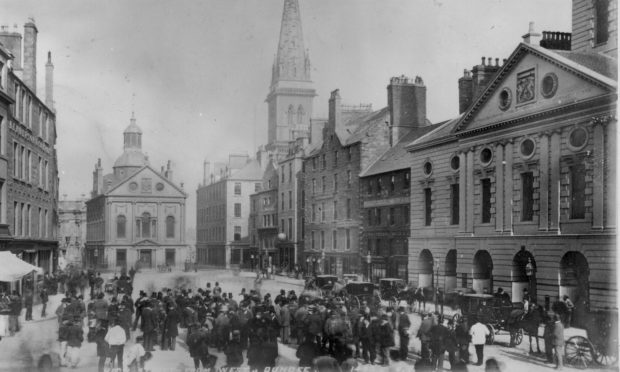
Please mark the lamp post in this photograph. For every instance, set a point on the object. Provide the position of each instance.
(314, 266)
(252, 261)
(307, 265)
(529, 271)
(322, 260)
(368, 262)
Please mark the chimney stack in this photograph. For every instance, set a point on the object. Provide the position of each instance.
(97, 179)
(465, 91)
(205, 170)
(532, 37)
(407, 105)
(168, 173)
(335, 109)
(471, 85)
(13, 42)
(30, 55)
(49, 82)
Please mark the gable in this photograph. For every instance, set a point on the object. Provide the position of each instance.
(533, 81)
(146, 183)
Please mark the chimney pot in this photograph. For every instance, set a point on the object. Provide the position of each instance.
(490, 61)
(496, 61)
(483, 61)
(504, 61)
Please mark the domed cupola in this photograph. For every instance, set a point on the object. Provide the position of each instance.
(132, 158)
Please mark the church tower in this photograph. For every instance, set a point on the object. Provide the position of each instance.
(291, 92)
(132, 159)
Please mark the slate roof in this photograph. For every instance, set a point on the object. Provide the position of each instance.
(397, 157)
(251, 171)
(441, 131)
(358, 125)
(601, 63)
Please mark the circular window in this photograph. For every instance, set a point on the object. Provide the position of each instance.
(549, 85)
(455, 162)
(486, 155)
(159, 186)
(577, 138)
(133, 186)
(505, 99)
(527, 148)
(428, 168)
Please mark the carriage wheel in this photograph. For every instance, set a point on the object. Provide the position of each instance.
(456, 318)
(491, 336)
(602, 357)
(517, 336)
(579, 352)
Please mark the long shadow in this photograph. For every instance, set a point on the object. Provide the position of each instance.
(526, 358)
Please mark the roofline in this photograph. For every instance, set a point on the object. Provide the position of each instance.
(107, 193)
(543, 53)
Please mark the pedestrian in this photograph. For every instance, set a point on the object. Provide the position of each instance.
(139, 304)
(74, 337)
(44, 299)
(425, 336)
(403, 332)
(558, 342)
(98, 284)
(28, 300)
(234, 351)
(222, 330)
(103, 348)
(116, 340)
(63, 336)
(171, 328)
(479, 333)
(285, 319)
(462, 340)
(366, 337)
(198, 343)
(307, 351)
(135, 355)
(16, 309)
(100, 306)
(548, 338)
(148, 326)
(569, 310)
(386, 339)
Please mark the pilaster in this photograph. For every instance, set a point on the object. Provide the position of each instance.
(543, 211)
(499, 187)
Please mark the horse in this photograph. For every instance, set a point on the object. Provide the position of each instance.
(528, 321)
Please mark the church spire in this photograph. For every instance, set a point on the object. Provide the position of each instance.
(292, 61)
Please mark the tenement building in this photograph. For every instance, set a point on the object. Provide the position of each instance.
(263, 222)
(223, 211)
(136, 216)
(72, 230)
(519, 191)
(28, 161)
(352, 139)
(386, 184)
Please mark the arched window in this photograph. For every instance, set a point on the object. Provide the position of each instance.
(170, 227)
(146, 227)
(300, 114)
(290, 114)
(121, 223)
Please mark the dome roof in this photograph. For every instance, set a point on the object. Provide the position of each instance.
(133, 127)
(131, 158)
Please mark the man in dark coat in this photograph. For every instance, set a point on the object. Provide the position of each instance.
(44, 299)
(403, 332)
(461, 333)
(171, 328)
(366, 337)
(386, 339)
(198, 343)
(28, 300)
(307, 351)
(441, 340)
(243, 316)
(149, 326)
(139, 304)
(558, 342)
(234, 351)
(425, 336)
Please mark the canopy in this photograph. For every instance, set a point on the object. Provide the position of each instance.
(12, 268)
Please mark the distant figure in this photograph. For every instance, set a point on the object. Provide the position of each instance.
(558, 342)
(479, 333)
(569, 307)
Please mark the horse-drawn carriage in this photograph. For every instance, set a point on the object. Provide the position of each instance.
(494, 312)
(601, 344)
(358, 292)
(394, 290)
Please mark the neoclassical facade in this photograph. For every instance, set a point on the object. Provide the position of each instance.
(519, 191)
(136, 216)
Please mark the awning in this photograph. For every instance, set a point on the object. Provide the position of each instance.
(12, 268)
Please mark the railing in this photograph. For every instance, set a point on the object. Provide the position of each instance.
(556, 40)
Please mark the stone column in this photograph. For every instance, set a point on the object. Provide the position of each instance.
(499, 188)
(470, 191)
(508, 194)
(543, 222)
(598, 178)
(463, 192)
(554, 183)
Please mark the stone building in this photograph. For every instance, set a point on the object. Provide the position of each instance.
(352, 139)
(72, 230)
(28, 161)
(136, 216)
(386, 184)
(263, 222)
(519, 191)
(223, 210)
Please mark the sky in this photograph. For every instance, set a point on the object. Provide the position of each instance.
(197, 72)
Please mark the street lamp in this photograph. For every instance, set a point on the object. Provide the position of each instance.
(529, 271)
(322, 261)
(368, 261)
(308, 265)
(252, 261)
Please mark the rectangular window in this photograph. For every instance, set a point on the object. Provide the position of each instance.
(406, 214)
(40, 232)
(46, 176)
(407, 180)
(323, 161)
(283, 203)
(322, 239)
(24, 160)
(314, 163)
(29, 168)
(335, 158)
(454, 204)
(427, 207)
(312, 239)
(290, 172)
(303, 198)
(322, 212)
(577, 192)
(527, 200)
(349, 154)
(347, 234)
(377, 216)
(237, 209)
(313, 212)
(237, 236)
(370, 217)
(290, 200)
(348, 208)
(40, 172)
(15, 160)
(392, 216)
(282, 174)
(335, 183)
(24, 220)
(602, 21)
(282, 225)
(313, 186)
(237, 188)
(335, 210)
(334, 240)
(379, 185)
(486, 200)
(323, 184)
(16, 218)
(348, 178)
(290, 229)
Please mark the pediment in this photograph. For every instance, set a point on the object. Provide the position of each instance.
(146, 242)
(144, 183)
(533, 81)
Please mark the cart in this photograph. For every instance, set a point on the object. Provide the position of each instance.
(601, 344)
(358, 292)
(494, 312)
(392, 290)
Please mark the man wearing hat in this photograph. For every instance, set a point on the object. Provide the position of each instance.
(139, 305)
(116, 339)
(149, 325)
(234, 350)
(403, 332)
(75, 336)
